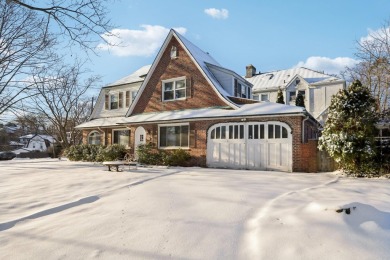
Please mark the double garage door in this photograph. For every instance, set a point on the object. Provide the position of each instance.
(250, 145)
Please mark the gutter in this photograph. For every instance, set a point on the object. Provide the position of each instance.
(303, 128)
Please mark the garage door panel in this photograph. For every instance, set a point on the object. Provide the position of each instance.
(251, 145)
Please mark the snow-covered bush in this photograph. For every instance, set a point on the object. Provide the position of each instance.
(349, 132)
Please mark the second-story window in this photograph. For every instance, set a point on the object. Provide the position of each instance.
(174, 89)
(114, 101)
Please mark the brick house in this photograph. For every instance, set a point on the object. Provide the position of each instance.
(189, 101)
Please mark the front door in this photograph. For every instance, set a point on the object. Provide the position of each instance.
(140, 138)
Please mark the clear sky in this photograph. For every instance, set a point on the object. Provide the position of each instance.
(271, 35)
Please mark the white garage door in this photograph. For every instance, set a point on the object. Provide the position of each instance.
(250, 145)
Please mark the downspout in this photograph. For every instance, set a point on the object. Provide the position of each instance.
(104, 135)
(303, 128)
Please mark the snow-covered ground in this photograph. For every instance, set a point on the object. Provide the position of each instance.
(52, 209)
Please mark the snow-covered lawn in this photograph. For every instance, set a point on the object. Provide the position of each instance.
(52, 209)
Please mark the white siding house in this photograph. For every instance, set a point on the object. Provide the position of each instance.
(316, 87)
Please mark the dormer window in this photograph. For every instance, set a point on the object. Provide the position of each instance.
(114, 101)
(174, 89)
(173, 52)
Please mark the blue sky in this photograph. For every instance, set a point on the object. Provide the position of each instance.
(271, 35)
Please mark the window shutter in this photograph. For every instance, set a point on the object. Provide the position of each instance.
(120, 100)
(192, 136)
(127, 98)
(188, 88)
(107, 102)
(235, 87)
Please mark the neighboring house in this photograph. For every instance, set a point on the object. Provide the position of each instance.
(317, 88)
(189, 101)
(37, 142)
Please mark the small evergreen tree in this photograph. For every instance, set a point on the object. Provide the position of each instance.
(300, 101)
(280, 98)
(349, 132)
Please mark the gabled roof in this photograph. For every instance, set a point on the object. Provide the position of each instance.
(199, 57)
(137, 76)
(281, 78)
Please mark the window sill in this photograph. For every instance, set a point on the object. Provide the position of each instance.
(173, 148)
(177, 99)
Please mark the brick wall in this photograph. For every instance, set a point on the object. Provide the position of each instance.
(304, 154)
(200, 93)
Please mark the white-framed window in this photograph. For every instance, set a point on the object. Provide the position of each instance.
(265, 97)
(94, 137)
(121, 136)
(114, 100)
(256, 97)
(174, 89)
(174, 136)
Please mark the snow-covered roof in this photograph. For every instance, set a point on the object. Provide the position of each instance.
(257, 109)
(281, 78)
(102, 122)
(204, 59)
(137, 76)
(200, 58)
(47, 137)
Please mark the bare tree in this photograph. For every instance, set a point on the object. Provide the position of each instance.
(29, 31)
(24, 46)
(373, 70)
(63, 100)
(81, 22)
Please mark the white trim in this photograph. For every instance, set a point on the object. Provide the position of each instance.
(174, 80)
(173, 147)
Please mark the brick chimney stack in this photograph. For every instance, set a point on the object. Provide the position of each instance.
(250, 71)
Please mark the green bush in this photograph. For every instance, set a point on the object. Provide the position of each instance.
(148, 154)
(95, 153)
(177, 157)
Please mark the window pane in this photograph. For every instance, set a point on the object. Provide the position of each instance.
(180, 93)
(168, 95)
(264, 97)
(256, 97)
(184, 136)
(114, 101)
(180, 84)
(163, 133)
(230, 132)
(250, 132)
(218, 133)
(256, 132)
(213, 134)
(284, 133)
(277, 131)
(261, 131)
(223, 132)
(168, 86)
(270, 131)
(241, 131)
(236, 132)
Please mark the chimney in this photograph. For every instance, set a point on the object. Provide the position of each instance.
(250, 71)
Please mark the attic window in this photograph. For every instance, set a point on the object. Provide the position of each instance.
(173, 52)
